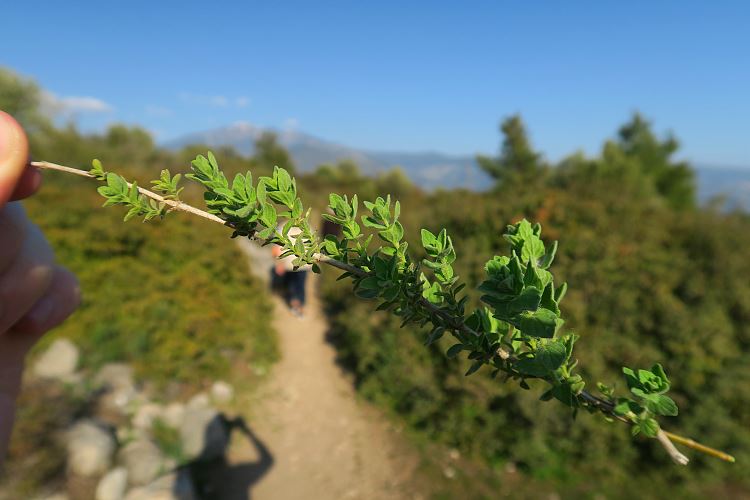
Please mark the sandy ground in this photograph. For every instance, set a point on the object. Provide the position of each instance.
(310, 437)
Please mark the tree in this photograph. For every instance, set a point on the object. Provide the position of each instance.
(129, 145)
(675, 181)
(23, 99)
(269, 153)
(518, 164)
(636, 165)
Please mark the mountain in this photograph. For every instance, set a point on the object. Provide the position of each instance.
(732, 184)
(431, 170)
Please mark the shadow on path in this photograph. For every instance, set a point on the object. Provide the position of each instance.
(220, 480)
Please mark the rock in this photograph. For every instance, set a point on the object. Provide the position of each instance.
(449, 472)
(90, 448)
(200, 400)
(146, 414)
(117, 403)
(170, 464)
(121, 394)
(221, 392)
(59, 361)
(143, 461)
(128, 434)
(175, 486)
(114, 376)
(113, 485)
(174, 414)
(203, 434)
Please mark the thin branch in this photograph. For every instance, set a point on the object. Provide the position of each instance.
(663, 437)
(174, 205)
(674, 453)
(700, 447)
(325, 259)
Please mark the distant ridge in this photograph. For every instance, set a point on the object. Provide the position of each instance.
(430, 170)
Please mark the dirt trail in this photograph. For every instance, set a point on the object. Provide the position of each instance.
(321, 441)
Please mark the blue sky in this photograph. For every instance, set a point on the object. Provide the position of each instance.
(398, 75)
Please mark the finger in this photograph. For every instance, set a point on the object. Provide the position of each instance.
(7, 415)
(30, 180)
(61, 299)
(14, 154)
(13, 224)
(26, 280)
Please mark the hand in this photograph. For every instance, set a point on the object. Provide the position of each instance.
(35, 294)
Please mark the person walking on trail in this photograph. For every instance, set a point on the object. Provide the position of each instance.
(292, 280)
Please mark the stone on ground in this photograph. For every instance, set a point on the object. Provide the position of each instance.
(115, 376)
(146, 414)
(222, 392)
(113, 485)
(200, 400)
(90, 448)
(174, 414)
(174, 486)
(143, 461)
(59, 361)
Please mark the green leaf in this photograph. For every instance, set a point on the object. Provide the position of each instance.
(624, 405)
(648, 426)
(365, 293)
(549, 257)
(97, 170)
(245, 211)
(330, 245)
(454, 350)
(526, 244)
(432, 293)
(630, 377)
(430, 243)
(266, 233)
(564, 394)
(547, 395)
(435, 335)
(370, 283)
(660, 404)
(551, 355)
(560, 292)
(540, 323)
(658, 370)
(474, 367)
(382, 267)
(284, 180)
(546, 359)
(213, 162)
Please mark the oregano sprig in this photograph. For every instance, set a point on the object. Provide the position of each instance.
(518, 332)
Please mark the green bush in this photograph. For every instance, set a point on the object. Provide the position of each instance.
(649, 280)
(175, 300)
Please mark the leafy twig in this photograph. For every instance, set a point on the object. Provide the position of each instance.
(517, 336)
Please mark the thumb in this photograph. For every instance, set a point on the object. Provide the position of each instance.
(14, 154)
